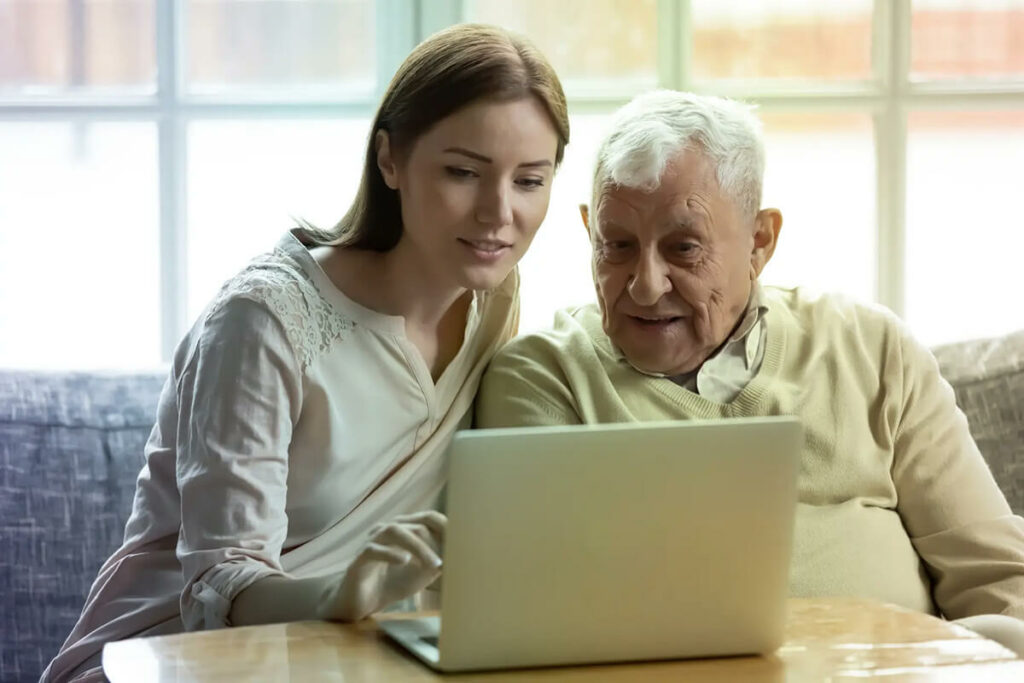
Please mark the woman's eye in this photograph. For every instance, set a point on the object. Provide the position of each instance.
(457, 172)
(531, 183)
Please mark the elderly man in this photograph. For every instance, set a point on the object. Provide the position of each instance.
(895, 500)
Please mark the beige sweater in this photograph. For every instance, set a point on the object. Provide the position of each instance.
(895, 501)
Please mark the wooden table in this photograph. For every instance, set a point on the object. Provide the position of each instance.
(826, 639)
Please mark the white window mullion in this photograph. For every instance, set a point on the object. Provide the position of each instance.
(672, 34)
(397, 33)
(173, 195)
(435, 15)
(891, 150)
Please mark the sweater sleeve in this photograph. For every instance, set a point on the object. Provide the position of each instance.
(239, 398)
(957, 518)
(524, 387)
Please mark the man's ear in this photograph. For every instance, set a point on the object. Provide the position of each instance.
(767, 225)
(385, 159)
(585, 215)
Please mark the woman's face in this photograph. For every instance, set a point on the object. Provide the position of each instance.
(474, 189)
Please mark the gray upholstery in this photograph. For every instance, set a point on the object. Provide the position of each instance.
(71, 447)
(988, 378)
(70, 450)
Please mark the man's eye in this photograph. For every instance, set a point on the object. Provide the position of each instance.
(616, 251)
(685, 248)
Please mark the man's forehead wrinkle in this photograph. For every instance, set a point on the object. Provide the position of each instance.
(700, 204)
(614, 205)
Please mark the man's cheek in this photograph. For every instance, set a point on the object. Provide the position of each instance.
(693, 291)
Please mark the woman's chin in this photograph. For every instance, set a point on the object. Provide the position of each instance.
(478, 278)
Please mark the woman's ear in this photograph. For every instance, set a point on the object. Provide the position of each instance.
(767, 225)
(385, 159)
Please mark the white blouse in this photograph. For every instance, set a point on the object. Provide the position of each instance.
(292, 422)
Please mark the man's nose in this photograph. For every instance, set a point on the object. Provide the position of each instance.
(650, 280)
(494, 206)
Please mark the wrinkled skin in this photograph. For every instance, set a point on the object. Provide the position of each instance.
(674, 267)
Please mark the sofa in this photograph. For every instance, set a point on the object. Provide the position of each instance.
(71, 446)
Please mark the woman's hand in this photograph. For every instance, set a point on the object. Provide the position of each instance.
(400, 559)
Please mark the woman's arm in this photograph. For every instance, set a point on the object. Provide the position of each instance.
(239, 397)
(400, 559)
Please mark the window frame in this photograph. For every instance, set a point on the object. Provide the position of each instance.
(889, 97)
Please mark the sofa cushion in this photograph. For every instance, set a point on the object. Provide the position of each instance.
(988, 378)
(71, 446)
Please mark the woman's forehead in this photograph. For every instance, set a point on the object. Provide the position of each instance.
(521, 127)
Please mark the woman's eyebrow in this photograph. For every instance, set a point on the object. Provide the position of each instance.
(487, 160)
(468, 153)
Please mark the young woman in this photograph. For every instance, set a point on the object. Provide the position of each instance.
(298, 448)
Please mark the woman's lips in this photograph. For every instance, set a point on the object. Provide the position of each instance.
(486, 250)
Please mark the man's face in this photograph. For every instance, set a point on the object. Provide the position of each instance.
(673, 267)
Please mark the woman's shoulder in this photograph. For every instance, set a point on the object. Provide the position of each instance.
(279, 285)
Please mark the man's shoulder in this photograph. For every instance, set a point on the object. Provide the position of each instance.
(575, 333)
(808, 306)
(533, 379)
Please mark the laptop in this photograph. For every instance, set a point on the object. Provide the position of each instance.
(609, 543)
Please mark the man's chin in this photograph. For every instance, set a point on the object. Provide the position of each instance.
(652, 364)
(645, 364)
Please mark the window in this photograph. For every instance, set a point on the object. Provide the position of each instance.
(151, 147)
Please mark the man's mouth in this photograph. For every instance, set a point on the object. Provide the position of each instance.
(655, 322)
(656, 319)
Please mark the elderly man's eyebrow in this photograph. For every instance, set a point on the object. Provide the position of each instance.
(689, 224)
(487, 160)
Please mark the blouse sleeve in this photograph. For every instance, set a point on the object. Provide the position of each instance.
(951, 506)
(239, 397)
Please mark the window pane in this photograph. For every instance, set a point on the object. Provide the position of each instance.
(556, 270)
(820, 173)
(965, 231)
(60, 44)
(247, 178)
(781, 39)
(594, 45)
(967, 38)
(79, 263)
(313, 45)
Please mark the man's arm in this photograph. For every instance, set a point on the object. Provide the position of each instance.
(951, 506)
(525, 386)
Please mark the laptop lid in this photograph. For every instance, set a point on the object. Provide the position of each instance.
(599, 543)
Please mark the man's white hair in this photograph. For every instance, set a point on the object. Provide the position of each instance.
(646, 134)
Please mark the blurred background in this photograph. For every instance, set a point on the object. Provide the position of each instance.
(149, 148)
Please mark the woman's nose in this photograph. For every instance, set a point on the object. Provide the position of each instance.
(494, 207)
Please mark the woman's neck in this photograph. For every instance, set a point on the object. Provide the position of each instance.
(392, 282)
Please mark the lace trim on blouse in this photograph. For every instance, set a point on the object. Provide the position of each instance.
(278, 281)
